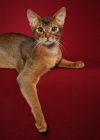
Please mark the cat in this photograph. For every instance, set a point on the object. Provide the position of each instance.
(34, 56)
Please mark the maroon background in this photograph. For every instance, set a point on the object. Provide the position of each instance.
(70, 98)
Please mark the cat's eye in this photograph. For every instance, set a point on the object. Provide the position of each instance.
(40, 29)
(54, 29)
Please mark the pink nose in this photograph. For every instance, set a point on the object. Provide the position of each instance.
(47, 36)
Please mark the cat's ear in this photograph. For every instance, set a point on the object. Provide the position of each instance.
(60, 15)
(33, 18)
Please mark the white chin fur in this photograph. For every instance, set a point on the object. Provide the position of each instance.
(48, 42)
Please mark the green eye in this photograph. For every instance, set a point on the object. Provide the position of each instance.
(40, 29)
(54, 29)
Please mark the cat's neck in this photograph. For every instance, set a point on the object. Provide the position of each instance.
(50, 49)
(47, 50)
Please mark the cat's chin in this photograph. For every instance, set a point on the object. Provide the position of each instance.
(47, 43)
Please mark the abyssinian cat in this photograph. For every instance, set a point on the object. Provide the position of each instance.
(33, 57)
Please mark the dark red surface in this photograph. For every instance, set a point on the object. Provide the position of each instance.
(70, 98)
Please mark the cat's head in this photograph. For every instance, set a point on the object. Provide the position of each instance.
(47, 30)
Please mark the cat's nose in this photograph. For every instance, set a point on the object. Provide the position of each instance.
(47, 36)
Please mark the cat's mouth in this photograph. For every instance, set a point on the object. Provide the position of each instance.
(48, 42)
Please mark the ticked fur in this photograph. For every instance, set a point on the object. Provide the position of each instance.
(33, 57)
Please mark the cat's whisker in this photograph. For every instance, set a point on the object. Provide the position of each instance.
(61, 46)
(63, 42)
(39, 42)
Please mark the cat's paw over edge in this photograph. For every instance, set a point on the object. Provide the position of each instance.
(41, 126)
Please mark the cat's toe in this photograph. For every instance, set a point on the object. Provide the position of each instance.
(41, 126)
(79, 64)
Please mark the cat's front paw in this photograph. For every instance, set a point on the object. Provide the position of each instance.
(41, 126)
(79, 64)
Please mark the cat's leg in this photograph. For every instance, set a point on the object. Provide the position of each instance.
(70, 64)
(27, 80)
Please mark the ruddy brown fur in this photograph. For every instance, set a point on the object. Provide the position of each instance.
(33, 57)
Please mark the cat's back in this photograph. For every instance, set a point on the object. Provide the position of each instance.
(13, 38)
(13, 42)
(13, 47)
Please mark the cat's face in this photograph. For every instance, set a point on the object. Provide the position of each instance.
(47, 30)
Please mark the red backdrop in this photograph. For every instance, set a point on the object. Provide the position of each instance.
(70, 98)
(82, 26)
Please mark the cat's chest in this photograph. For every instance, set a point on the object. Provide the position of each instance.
(48, 56)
